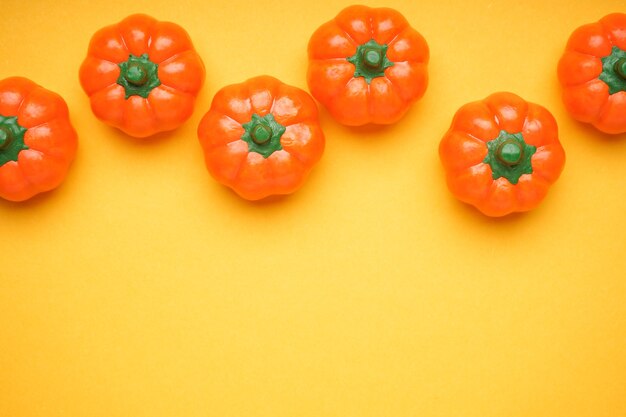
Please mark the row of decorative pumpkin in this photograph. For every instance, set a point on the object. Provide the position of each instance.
(262, 137)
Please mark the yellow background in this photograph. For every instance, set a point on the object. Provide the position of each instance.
(142, 287)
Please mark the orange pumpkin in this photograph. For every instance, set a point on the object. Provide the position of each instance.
(367, 65)
(261, 137)
(37, 141)
(502, 154)
(142, 76)
(592, 72)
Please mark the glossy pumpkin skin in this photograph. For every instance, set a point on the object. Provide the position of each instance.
(142, 75)
(37, 141)
(367, 65)
(480, 172)
(592, 72)
(256, 167)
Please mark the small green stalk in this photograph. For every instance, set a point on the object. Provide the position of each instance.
(139, 76)
(620, 68)
(370, 60)
(509, 156)
(510, 152)
(5, 137)
(11, 139)
(614, 70)
(262, 134)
